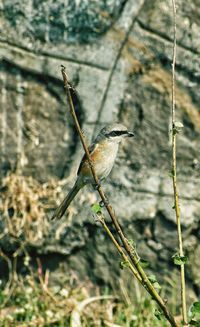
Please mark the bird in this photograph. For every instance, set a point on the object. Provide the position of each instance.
(103, 152)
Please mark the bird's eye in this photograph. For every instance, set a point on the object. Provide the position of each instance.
(113, 133)
(117, 133)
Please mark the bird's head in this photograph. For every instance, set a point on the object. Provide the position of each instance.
(115, 133)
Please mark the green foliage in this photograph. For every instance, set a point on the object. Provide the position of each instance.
(194, 314)
(28, 302)
(152, 279)
(195, 323)
(158, 314)
(155, 283)
(144, 263)
(96, 208)
(196, 308)
(132, 243)
(139, 315)
(171, 175)
(124, 264)
(177, 127)
(179, 260)
(1, 296)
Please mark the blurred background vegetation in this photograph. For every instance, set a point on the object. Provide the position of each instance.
(118, 55)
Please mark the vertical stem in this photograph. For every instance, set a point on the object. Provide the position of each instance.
(174, 176)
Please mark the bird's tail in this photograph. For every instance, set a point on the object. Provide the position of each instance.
(67, 200)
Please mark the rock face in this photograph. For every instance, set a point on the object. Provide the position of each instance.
(118, 55)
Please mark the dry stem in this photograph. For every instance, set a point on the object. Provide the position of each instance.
(129, 249)
(119, 248)
(174, 175)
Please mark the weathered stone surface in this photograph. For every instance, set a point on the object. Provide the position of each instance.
(118, 54)
(195, 265)
(157, 16)
(68, 21)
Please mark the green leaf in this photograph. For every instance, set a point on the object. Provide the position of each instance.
(26, 260)
(178, 124)
(157, 286)
(194, 323)
(171, 173)
(152, 279)
(144, 263)
(195, 309)
(177, 127)
(124, 264)
(96, 208)
(179, 260)
(158, 314)
(132, 243)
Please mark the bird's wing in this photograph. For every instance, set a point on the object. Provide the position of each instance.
(91, 149)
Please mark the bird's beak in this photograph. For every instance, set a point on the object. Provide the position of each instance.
(130, 134)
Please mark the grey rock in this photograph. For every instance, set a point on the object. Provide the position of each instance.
(195, 265)
(157, 14)
(165, 233)
(189, 211)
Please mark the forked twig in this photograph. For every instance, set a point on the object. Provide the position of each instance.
(129, 249)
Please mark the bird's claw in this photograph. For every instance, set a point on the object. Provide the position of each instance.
(103, 203)
(97, 186)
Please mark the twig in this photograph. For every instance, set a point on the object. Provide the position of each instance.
(174, 175)
(41, 280)
(119, 248)
(129, 249)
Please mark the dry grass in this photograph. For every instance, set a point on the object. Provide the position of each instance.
(32, 299)
(24, 205)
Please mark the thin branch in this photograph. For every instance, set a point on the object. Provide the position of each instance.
(129, 249)
(119, 248)
(174, 175)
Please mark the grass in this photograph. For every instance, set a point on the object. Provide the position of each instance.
(24, 205)
(31, 300)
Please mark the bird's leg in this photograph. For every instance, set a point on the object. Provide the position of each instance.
(97, 186)
(104, 203)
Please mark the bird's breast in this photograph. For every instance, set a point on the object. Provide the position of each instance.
(103, 158)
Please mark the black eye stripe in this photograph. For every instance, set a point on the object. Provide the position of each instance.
(116, 133)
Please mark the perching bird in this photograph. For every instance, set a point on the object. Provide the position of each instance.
(103, 153)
